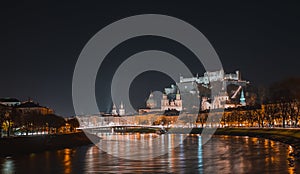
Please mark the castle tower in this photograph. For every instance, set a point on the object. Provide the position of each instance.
(242, 99)
(122, 110)
(114, 110)
(164, 102)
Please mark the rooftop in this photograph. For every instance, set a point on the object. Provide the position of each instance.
(9, 100)
(28, 104)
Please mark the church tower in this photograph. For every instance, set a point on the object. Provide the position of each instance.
(178, 101)
(242, 99)
(114, 110)
(164, 102)
(122, 110)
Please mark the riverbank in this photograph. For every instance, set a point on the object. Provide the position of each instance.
(29, 144)
(287, 136)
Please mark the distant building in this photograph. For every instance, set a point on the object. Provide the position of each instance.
(172, 90)
(171, 104)
(151, 103)
(10, 101)
(189, 87)
(242, 99)
(168, 101)
(30, 107)
(122, 110)
(205, 104)
(114, 110)
(221, 100)
(208, 77)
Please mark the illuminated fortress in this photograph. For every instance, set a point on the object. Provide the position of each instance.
(171, 98)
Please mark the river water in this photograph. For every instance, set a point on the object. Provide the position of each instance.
(222, 154)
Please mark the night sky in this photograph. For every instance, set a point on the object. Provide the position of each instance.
(40, 44)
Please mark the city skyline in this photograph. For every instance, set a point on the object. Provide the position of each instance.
(41, 44)
(150, 87)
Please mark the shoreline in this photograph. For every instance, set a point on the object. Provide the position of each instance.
(10, 146)
(30, 144)
(286, 136)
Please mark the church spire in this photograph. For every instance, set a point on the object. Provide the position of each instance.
(122, 110)
(114, 110)
(242, 99)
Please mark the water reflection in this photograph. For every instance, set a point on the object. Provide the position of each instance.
(67, 160)
(8, 166)
(200, 160)
(138, 146)
(222, 154)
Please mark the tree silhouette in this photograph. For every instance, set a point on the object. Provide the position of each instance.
(286, 94)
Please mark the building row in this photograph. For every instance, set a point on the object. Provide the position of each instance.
(24, 107)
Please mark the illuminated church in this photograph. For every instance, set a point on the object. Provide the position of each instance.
(114, 110)
(171, 104)
(170, 100)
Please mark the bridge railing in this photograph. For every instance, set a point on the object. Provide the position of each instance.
(94, 121)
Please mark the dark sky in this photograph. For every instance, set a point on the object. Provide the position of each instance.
(40, 44)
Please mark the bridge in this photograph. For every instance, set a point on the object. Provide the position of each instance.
(121, 128)
(98, 124)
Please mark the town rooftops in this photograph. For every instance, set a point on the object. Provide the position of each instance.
(7, 99)
(28, 104)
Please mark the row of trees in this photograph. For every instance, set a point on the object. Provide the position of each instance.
(270, 115)
(283, 101)
(13, 122)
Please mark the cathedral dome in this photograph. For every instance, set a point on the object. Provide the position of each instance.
(151, 103)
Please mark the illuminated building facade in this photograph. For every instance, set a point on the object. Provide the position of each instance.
(30, 107)
(114, 110)
(221, 100)
(9, 101)
(171, 104)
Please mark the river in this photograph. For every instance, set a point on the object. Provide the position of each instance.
(222, 154)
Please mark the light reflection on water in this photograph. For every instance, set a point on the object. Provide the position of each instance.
(7, 165)
(222, 154)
